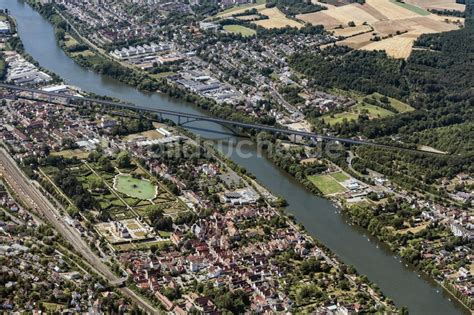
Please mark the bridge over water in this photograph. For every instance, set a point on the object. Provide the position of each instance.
(183, 118)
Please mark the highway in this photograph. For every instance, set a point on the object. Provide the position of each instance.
(33, 198)
(194, 117)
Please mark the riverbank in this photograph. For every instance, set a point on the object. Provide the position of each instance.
(351, 193)
(91, 57)
(318, 215)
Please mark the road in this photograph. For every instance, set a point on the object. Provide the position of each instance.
(32, 197)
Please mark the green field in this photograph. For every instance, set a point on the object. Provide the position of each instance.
(412, 8)
(239, 29)
(338, 118)
(374, 111)
(134, 187)
(340, 176)
(326, 184)
(396, 104)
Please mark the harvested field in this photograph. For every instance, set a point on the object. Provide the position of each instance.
(320, 18)
(434, 24)
(357, 42)
(276, 19)
(447, 19)
(391, 10)
(372, 11)
(351, 31)
(387, 19)
(385, 28)
(351, 12)
(397, 46)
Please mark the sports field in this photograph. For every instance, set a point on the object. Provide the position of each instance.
(340, 176)
(326, 184)
(134, 187)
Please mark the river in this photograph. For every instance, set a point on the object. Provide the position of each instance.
(320, 217)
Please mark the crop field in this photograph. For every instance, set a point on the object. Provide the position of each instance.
(438, 4)
(397, 25)
(326, 184)
(351, 31)
(391, 10)
(276, 19)
(351, 12)
(411, 7)
(239, 29)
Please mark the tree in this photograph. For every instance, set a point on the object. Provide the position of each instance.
(310, 265)
(105, 164)
(124, 159)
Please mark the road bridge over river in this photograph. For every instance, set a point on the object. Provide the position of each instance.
(183, 118)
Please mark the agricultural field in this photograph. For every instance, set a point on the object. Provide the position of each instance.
(437, 4)
(327, 184)
(239, 29)
(396, 25)
(411, 7)
(352, 31)
(276, 19)
(134, 187)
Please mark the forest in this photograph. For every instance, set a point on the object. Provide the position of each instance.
(293, 7)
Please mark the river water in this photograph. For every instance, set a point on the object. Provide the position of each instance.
(322, 219)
